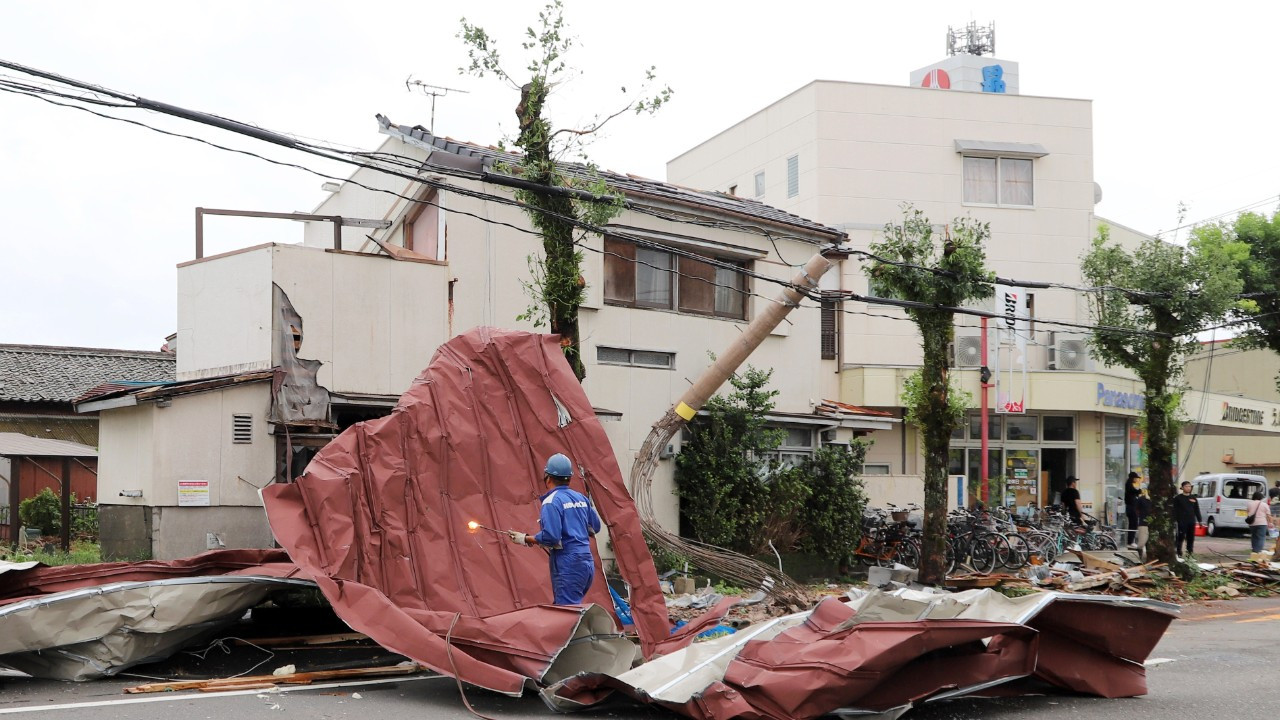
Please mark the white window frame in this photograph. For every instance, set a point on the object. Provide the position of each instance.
(635, 358)
(759, 181)
(793, 176)
(999, 180)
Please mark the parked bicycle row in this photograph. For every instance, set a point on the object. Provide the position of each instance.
(979, 540)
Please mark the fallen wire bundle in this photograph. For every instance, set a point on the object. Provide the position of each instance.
(727, 564)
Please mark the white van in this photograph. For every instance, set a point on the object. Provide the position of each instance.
(1224, 499)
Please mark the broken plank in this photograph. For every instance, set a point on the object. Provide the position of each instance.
(302, 639)
(293, 679)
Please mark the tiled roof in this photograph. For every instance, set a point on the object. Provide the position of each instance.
(40, 373)
(476, 158)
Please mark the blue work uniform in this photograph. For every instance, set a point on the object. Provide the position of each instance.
(568, 521)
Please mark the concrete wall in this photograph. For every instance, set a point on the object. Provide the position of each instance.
(224, 314)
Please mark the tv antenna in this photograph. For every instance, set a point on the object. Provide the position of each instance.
(434, 91)
(972, 40)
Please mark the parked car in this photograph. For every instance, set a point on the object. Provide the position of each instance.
(1224, 499)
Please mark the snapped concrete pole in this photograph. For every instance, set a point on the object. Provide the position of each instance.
(725, 563)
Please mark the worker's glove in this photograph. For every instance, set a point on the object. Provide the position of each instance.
(519, 538)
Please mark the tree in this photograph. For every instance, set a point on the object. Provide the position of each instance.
(556, 284)
(1260, 274)
(832, 516)
(935, 274)
(723, 468)
(1152, 302)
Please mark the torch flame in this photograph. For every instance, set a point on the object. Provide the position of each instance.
(473, 526)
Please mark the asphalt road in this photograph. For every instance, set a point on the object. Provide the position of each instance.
(1219, 660)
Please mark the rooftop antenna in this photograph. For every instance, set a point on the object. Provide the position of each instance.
(434, 91)
(972, 40)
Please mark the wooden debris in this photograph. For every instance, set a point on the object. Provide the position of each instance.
(301, 640)
(254, 682)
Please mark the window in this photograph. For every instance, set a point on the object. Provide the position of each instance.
(999, 181)
(1059, 428)
(1020, 427)
(424, 228)
(875, 468)
(993, 427)
(635, 358)
(242, 428)
(830, 330)
(653, 278)
(796, 446)
(793, 176)
(733, 189)
(760, 183)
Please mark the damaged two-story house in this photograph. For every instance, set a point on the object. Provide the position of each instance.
(282, 346)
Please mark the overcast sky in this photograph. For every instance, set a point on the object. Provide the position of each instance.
(97, 213)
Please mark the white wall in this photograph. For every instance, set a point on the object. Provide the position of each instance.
(224, 314)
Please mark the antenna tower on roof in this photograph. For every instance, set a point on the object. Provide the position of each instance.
(972, 40)
(434, 91)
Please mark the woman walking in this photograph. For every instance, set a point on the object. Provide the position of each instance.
(1259, 520)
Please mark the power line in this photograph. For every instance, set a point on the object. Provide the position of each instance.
(276, 138)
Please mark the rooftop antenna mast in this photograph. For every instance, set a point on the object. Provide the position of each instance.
(434, 91)
(972, 40)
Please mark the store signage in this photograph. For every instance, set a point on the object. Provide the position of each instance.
(1235, 413)
(1118, 399)
(1012, 331)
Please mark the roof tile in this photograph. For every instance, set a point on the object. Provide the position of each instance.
(42, 373)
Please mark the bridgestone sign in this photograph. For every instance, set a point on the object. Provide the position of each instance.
(1248, 416)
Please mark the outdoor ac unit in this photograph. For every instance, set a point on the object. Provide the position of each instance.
(1068, 353)
(966, 351)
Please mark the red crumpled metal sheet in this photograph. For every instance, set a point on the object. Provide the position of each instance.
(380, 516)
(18, 585)
(830, 662)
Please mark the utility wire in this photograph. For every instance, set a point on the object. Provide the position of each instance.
(275, 138)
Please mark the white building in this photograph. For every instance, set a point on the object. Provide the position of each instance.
(340, 332)
(850, 154)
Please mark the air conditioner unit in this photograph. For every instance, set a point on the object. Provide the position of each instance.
(1068, 353)
(966, 351)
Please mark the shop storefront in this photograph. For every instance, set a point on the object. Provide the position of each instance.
(1029, 457)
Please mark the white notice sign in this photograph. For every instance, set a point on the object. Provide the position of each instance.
(193, 493)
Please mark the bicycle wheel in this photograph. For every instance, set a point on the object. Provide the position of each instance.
(1042, 544)
(909, 554)
(949, 557)
(1106, 542)
(985, 550)
(1020, 552)
(886, 550)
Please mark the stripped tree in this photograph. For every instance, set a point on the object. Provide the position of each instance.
(935, 274)
(1151, 302)
(556, 285)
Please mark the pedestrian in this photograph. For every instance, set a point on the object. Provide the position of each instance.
(567, 520)
(1186, 515)
(1258, 520)
(1071, 500)
(1143, 507)
(1132, 489)
(1274, 493)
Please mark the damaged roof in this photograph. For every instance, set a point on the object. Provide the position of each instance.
(457, 155)
(42, 373)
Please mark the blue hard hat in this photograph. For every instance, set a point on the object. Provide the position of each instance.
(559, 466)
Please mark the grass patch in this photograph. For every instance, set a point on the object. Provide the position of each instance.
(82, 552)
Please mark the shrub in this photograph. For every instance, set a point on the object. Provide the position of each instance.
(832, 517)
(42, 511)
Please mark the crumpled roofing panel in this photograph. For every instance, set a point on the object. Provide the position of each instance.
(380, 516)
(80, 622)
(885, 653)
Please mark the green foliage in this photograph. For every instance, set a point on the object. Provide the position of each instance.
(723, 468)
(726, 589)
(915, 402)
(995, 489)
(42, 511)
(832, 518)
(736, 494)
(556, 281)
(82, 552)
(665, 560)
(934, 273)
(1252, 244)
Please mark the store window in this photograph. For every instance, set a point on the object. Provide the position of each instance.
(1020, 427)
(993, 427)
(1059, 428)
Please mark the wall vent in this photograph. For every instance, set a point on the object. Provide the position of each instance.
(241, 428)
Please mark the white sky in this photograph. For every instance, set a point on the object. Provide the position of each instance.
(96, 214)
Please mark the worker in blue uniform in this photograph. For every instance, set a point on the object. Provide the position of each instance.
(567, 521)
